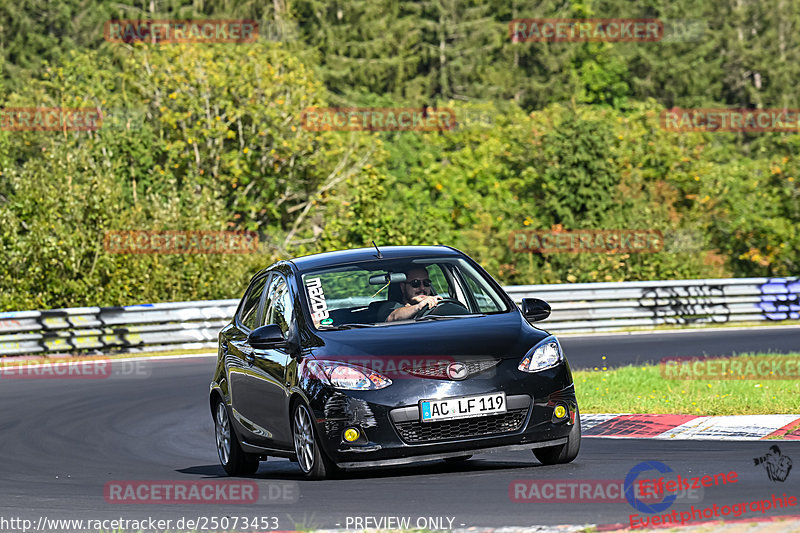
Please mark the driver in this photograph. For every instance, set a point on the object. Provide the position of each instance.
(417, 295)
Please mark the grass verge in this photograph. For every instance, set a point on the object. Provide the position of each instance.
(645, 389)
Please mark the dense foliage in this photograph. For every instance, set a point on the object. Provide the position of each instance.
(549, 136)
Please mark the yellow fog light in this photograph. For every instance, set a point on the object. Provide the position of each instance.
(351, 434)
(560, 411)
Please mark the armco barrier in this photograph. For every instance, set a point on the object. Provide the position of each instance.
(178, 325)
(609, 306)
(577, 307)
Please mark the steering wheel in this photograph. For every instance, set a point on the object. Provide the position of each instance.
(425, 311)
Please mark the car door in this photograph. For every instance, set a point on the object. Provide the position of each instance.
(263, 386)
(239, 356)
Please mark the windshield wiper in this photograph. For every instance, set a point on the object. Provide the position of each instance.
(346, 326)
(442, 317)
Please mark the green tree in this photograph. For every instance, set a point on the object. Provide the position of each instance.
(183, 147)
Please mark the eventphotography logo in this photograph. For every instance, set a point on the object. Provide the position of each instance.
(661, 485)
(181, 31)
(377, 119)
(585, 30)
(50, 119)
(777, 465)
(697, 515)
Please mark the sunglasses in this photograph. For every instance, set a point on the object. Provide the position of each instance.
(415, 283)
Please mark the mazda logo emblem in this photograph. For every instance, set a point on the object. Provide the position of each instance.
(457, 371)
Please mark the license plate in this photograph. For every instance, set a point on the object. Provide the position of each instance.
(462, 407)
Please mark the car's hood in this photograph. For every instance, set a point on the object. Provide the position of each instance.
(505, 335)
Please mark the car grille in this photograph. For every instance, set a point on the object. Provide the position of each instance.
(417, 432)
(439, 370)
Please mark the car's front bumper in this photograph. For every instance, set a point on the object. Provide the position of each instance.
(438, 456)
(392, 432)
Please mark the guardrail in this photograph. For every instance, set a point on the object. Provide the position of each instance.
(178, 325)
(610, 306)
(577, 307)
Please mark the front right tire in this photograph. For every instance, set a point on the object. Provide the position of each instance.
(312, 460)
(233, 459)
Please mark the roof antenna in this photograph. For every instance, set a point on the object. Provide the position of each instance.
(380, 255)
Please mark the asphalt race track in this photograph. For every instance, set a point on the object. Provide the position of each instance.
(62, 440)
(586, 351)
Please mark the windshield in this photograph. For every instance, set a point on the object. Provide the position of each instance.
(368, 293)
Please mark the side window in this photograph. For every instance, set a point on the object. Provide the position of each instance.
(249, 312)
(280, 306)
(485, 302)
(438, 281)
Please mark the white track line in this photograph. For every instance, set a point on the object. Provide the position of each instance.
(738, 427)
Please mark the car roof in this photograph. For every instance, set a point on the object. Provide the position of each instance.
(327, 259)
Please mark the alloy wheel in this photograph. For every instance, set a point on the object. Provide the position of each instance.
(223, 434)
(303, 439)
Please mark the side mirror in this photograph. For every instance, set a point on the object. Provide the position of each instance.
(535, 309)
(266, 337)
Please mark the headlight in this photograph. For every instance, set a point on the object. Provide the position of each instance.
(346, 376)
(544, 355)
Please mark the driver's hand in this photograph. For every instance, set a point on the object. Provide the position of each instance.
(423, 301)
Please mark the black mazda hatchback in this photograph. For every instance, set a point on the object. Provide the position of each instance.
(372, 357)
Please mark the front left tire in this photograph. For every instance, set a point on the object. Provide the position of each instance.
(563, 453)
(233, 459)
